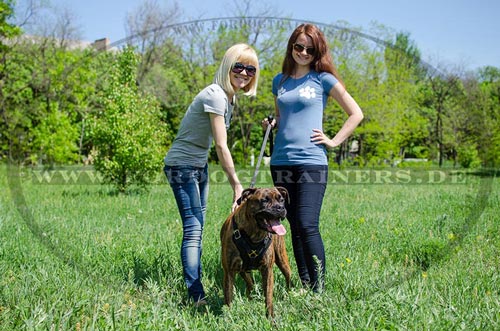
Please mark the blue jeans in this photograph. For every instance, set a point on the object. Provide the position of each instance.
(306, 185)
(190, 187)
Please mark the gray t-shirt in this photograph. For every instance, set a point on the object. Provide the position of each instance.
(194, 138)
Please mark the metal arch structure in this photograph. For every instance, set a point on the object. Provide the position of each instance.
(199, 25)
(236, 21)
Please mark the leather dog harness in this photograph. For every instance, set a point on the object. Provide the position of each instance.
(251, 253)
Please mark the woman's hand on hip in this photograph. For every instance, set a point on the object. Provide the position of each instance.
(319, 138)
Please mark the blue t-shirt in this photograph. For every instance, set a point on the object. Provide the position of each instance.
(301, 103)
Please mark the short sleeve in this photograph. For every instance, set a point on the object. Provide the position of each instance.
(276, 83)
(328, 81)
(215, 100)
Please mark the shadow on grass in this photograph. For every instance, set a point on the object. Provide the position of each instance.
(160, 270)
(486, 173)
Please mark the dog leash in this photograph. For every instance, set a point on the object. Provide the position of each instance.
(262, 149)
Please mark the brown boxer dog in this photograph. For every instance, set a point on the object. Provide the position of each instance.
(252, 238)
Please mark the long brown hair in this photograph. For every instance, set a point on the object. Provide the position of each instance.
(322, 62)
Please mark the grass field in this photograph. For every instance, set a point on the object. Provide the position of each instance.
(417, 255)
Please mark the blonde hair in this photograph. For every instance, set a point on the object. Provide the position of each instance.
(238, 53)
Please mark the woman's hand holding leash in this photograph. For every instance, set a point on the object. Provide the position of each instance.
(269, 125)
(265, 122)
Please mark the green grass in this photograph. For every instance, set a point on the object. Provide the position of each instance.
(399, 257)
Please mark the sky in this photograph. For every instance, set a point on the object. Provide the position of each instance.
(460, 33)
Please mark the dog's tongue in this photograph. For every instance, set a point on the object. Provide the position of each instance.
(278, 228)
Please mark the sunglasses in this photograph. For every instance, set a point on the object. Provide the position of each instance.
(300, 48)
(249, 69)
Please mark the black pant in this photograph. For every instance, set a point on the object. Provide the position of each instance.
(306, 185)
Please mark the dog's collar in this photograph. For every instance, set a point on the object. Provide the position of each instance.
(251, 253)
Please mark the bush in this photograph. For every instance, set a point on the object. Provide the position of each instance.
(468, 156)
(54, 139)
(128, 134)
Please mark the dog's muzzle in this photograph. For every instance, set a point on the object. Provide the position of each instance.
(270, 220)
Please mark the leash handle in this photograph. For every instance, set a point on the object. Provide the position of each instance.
(271, 139)
(262, 149)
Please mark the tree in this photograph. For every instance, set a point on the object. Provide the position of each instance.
(54, 139)
(439, 92)
(127, 133)
(488, 107)
(49, 92)
(146, 28)
(7, 32)
(45, 91)
(404, 73)
(43, 79)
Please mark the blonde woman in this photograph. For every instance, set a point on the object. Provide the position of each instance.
(186, 163)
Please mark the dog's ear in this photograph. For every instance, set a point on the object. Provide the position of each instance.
(245, 194)
(284, 193)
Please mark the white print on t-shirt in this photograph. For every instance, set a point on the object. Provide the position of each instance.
(307, 92)
(281, 91)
